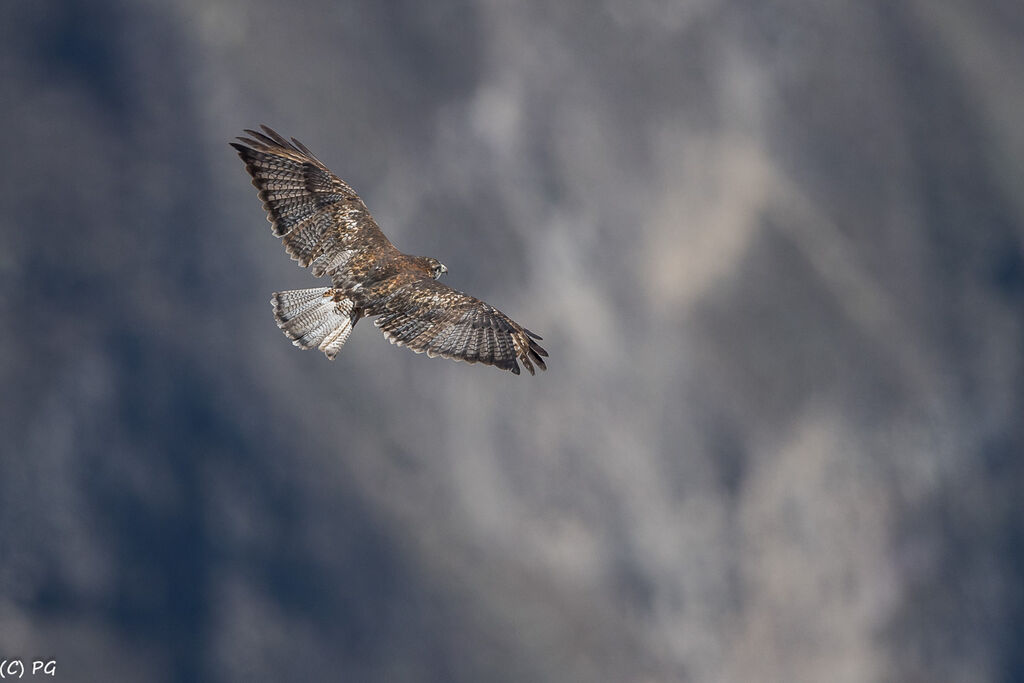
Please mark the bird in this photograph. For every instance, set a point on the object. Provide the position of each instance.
(326, 227)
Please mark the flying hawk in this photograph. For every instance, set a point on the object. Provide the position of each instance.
(324, 224)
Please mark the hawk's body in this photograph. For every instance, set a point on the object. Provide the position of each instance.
(325, 225)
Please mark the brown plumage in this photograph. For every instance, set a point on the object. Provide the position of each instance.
(326, 226)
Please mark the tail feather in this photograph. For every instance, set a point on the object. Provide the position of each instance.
(312, 318)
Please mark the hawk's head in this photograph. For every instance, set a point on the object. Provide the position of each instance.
(436, 267)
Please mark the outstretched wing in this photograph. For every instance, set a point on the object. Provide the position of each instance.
(321, 220)
(425, 315)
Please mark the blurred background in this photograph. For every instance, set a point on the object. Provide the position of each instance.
(775, 248)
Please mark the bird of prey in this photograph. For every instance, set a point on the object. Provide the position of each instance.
(326, 226)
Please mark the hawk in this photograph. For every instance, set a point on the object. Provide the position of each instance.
(326, 226)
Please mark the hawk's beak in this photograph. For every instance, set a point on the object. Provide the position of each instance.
(444, 268)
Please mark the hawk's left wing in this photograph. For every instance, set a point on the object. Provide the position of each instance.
(427, 316)
(322, 221)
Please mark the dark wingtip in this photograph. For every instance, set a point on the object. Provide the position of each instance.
(301, 147)
(269, 131)
(269, 141)
(247, 145)
(274, 135)
(536, 351)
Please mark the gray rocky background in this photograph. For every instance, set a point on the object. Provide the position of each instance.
(775, 248)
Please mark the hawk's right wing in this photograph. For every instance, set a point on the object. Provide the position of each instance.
(321, 220)
(427, 316)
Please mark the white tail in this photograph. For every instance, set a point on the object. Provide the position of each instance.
(312, 319)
